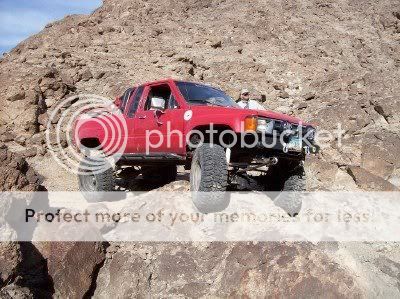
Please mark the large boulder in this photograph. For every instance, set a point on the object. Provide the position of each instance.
(298, 270)
(44, 267)
(23, 272)
(72, 266)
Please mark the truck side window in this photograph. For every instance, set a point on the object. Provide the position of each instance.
(125, 98)
(161, 92)
(135, 101)
(172, 103)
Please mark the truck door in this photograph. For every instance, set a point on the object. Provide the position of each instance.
(130, 114)
(159, 121)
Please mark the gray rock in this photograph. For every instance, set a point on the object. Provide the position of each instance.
(72, 265)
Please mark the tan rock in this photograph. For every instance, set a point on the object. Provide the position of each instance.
(344, 181)
(309, 96)
(37, 139)
(50, 102)
(43, 119)
(16, 173)
(29, 152)
(283, 94)
(388, 108)
(280, 86)
(86, 75)
(370, 182)
(21, 140)
(20, 95)
(320, 174)
(223, 270)
(7, 136)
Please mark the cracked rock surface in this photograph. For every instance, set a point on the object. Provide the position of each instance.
(333, 62)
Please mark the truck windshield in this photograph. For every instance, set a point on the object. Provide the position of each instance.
(199, 94)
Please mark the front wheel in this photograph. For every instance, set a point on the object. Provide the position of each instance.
(290, 200)
(288, 178)
(209, 178)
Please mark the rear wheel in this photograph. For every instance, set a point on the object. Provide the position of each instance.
(94, 183)
(295, 183)
(209, 178)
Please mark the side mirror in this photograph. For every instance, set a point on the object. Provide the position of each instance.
(157, 104)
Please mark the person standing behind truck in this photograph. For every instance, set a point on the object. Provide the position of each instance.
(245, 102)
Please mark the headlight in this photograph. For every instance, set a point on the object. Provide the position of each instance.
(265, 125)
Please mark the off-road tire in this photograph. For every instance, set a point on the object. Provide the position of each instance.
(209, 178)
(295, 183)
(291, 198)
(160, 174)
(288, 178)
(101, 182)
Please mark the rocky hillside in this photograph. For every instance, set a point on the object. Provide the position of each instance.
(324, 61)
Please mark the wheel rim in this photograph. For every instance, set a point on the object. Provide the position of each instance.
(88, 182)
(196, 176)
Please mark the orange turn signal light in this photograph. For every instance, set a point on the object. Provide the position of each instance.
(250, 123)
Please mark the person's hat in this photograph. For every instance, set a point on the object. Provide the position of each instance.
(244, 91)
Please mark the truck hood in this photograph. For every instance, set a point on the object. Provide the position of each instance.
(277, 115)
(239, 112)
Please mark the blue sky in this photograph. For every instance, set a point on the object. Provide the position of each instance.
(21, 18)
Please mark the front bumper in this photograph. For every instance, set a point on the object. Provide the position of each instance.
(269, 145)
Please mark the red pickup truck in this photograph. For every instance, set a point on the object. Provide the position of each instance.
(172, 123)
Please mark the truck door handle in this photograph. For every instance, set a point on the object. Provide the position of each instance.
(142, 116)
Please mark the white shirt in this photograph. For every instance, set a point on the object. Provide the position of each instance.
(251, 104)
